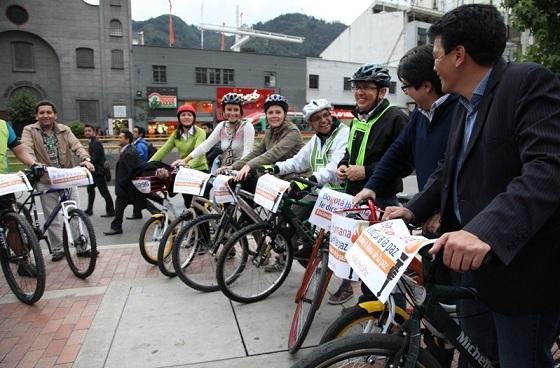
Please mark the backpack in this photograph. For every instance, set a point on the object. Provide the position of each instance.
(151, 150)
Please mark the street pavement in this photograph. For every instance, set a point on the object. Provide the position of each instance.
(126, 314)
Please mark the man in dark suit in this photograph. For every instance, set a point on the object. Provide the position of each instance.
(97, 154)
(129, 160)
(498, 186)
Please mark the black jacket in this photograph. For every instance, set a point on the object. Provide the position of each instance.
(508, 188)
(385, 131)
(128, 162)
(97, 154)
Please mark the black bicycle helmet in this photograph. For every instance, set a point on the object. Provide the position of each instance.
(276, 100)
(232, 99)
(373, 73)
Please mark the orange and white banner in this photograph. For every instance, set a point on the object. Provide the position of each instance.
(269, 192)
(221, 189)
(69, 178)
(12, 183)
(382, 253)
(328, 201)
(189, 181)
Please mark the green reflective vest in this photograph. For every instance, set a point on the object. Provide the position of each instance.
(319, 155)
(3, 147)
(364, 127)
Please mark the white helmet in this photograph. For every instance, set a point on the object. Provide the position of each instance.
(314, 106)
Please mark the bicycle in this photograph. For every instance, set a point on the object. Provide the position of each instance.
(403, 349)
(196, 247)
(253, 247)
(78, 236)
(21, 256)
(313, 287)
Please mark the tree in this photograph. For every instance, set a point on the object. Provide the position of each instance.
(77, 127)
(21, 107)
(542, 19)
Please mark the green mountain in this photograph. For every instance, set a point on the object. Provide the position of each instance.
(318, 35)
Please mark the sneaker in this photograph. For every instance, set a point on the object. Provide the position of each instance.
(57, 255)
(342, 295)
(26, 269)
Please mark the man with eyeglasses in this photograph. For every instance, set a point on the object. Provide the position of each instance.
(376, 125)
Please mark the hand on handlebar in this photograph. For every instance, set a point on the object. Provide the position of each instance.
(363, 195)
(394, 212)
(38, 170)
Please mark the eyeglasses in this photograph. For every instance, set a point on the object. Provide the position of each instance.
(317, 117)
(364, 87)
(405, 87)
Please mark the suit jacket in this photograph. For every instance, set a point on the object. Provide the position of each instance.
(97, 154)
(508, 188)
(128, 162)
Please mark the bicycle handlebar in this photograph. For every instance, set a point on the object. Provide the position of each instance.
(312, 184)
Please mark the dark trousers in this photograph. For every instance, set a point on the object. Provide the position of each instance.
(120, 205)
(101, 184)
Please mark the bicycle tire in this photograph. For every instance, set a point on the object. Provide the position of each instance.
(351, 318)
(81, 266)
(165, 247)
(242, 245)
(299, 328)
(26, 294)
(149, 247)
(198, 268)
(364, 348)
(556, 352)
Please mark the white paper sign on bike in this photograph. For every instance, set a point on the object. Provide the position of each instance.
(189, 181)
(382, 253)
(12, 183)
(344, 232)
(69, 178)
(222, 190)
(269, 191)
(329, 201)
(143, 185)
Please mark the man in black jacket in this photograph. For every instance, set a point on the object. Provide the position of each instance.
(375, 127)
(497, 188)
(97, 154)
(129, 161)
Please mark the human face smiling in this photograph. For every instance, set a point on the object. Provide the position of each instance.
(444, 66)
(275, 116)
(366, 95)
(186, 118)
(46, 116)
(321, 121)
(232, 113)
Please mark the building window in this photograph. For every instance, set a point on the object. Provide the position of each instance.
(393, 88)
(422, 36)
(201, 75)
(214, 76)
(87, 111)
(347, 85)
(115, 28)
(22, 57)
(84, 58)
(313, 81)
(117, 59)
(17, 14)
(115, 3)
(159, 73)
(270, 79)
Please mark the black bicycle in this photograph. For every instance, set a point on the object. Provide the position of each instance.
(20, 256)
(78, 236)
(404, 348)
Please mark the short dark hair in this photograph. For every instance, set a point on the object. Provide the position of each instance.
(141, 130)
(479, 28)
(208, 124)
(417, 67)
(128, 135)
(90, 126)
(45, 103)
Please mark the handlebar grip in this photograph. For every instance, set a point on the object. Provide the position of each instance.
(372, 210)
(308, 182)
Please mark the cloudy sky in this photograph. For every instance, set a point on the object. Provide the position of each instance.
(219, 11)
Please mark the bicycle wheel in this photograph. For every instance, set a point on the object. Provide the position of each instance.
(315, 282)
(358, 320)
(81, 251)
(22, 259)
(243, 277)
(150, 236)
(556, 352)
(164, 258)
(365, 350)
(195, 251)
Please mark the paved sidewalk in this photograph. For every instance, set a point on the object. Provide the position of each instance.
(128, 315)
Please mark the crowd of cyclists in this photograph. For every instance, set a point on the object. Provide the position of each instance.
(484, 142)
